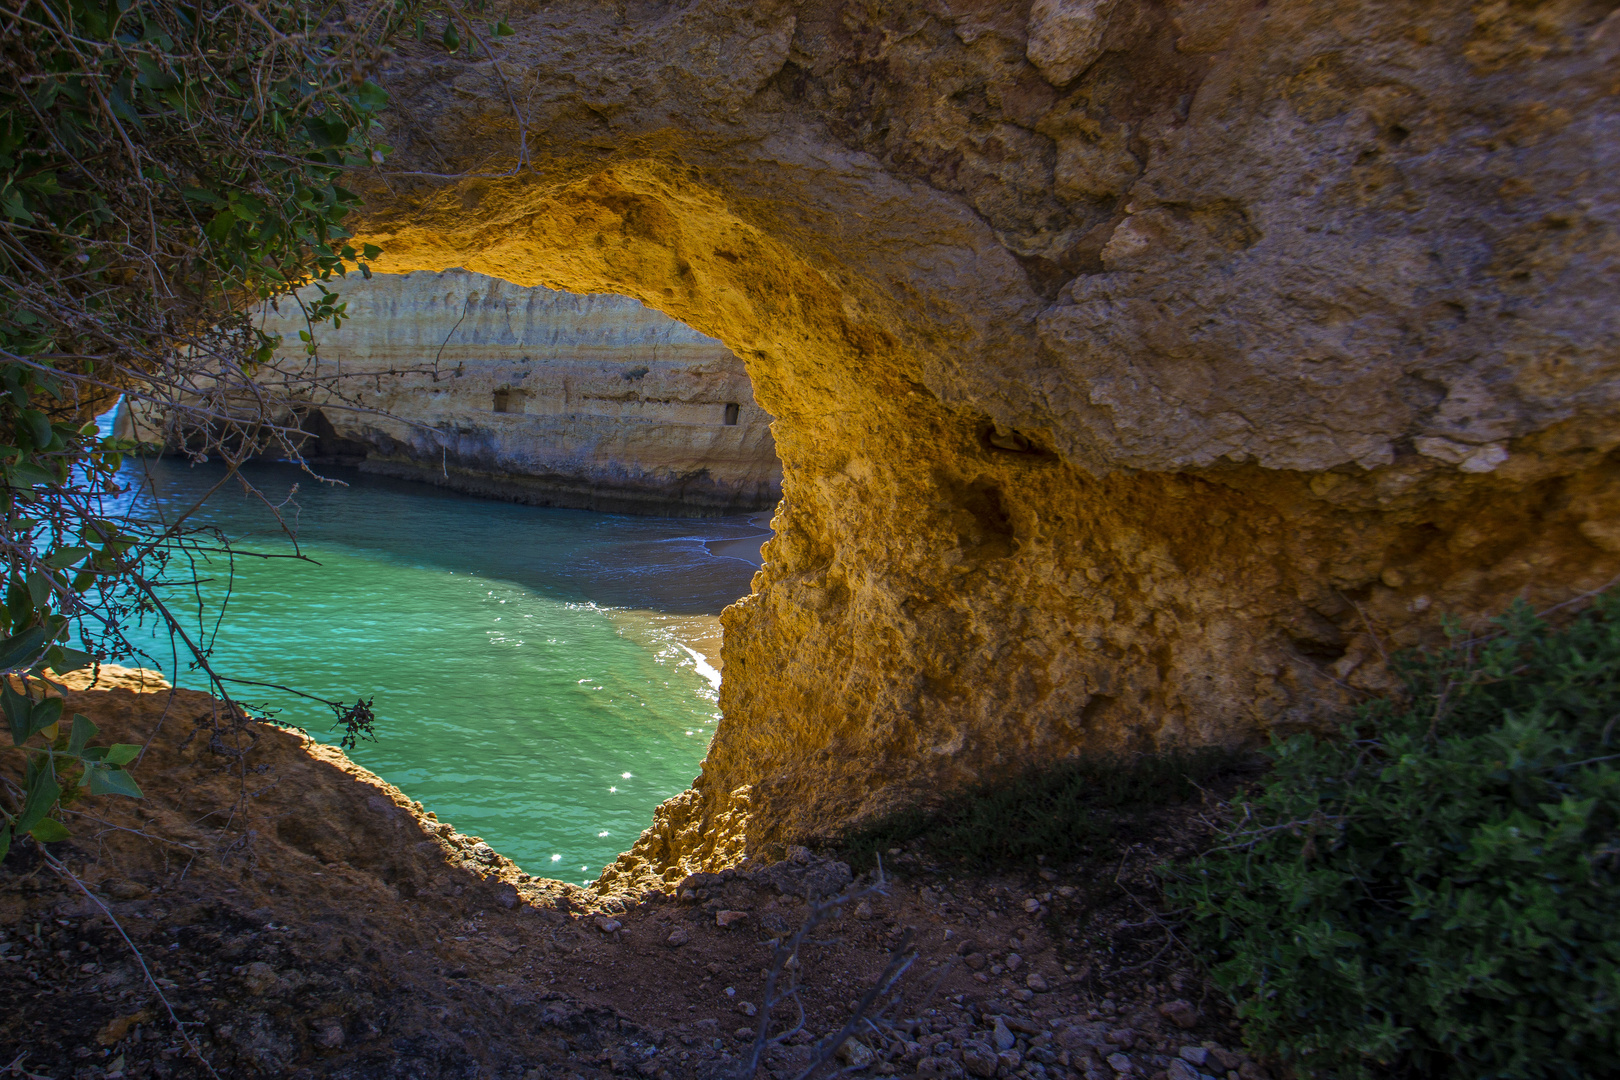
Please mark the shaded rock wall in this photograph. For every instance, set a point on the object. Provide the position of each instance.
(544, 397)
(1143, 372)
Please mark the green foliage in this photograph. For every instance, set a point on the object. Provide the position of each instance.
(1436, 893)
(1053, 812)
(162, 163)
(164, 168)
(61, 765)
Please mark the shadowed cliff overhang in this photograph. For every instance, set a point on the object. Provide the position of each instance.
(1143, 374)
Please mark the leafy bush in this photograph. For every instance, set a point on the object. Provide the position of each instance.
(1053, 812)
(1435, 894)
(164, 168)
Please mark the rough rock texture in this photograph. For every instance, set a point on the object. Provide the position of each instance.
(1143, 372)
(304, 919)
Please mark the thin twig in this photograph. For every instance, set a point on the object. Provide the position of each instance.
(64, 872)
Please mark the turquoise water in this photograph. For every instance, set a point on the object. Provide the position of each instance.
(542, 678)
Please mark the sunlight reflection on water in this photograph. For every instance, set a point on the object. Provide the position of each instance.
(543, 678)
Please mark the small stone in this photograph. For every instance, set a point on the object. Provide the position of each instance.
(979, 1060)
(1024, 995)
(1225, 1059)
(975, 961)
(1120, 1064)
(748, 1008)
(1253, 1070)
(1036, 983)
(1004, 1039)
(1180, 1070)
(729, 918)
(1010, 1059)
(743, 1033)
(607, 925)
(678, 937)
(126, 890)
(1195, 1054)
(1067, 891)
(1122, 1037)
(942, 1067)
(1180, 1013)
(260, 978)
(1032, 905)
(506, 895)
(1014, 961)
(329, 1033)
(855, 1054)
(997, 969)
(865, 910)
(731, 991)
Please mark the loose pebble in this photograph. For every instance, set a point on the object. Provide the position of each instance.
(1180, 1013)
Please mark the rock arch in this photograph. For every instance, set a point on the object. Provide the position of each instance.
(1143, 371)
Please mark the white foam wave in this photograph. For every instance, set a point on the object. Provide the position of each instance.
(704, 668)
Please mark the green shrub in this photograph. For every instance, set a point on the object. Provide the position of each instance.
(1435, 893)
(1053, 812)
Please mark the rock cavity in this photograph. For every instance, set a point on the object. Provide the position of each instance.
(1144, 373)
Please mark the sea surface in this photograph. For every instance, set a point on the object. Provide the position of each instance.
(541, 678)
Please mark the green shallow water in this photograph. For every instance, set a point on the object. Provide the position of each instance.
(534, 670)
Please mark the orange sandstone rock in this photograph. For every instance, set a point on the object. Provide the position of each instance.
(1143, 374)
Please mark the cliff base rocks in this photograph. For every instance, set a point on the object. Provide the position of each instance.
(305, 919)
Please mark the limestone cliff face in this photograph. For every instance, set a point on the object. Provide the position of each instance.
(544, 397)
(1143, 372)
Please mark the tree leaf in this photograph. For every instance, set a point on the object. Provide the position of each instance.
(39, 588)
(64, 659)
(66, 557)
(43, 792)
(49, 831)
(83, 732)
(105, 780)
(19, 651)
(122, 753)
(18, 709)
(26, 475)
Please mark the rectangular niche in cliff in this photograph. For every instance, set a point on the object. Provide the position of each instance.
(509, 399)
(732, 411)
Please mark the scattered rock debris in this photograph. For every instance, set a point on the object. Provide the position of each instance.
(301, 918)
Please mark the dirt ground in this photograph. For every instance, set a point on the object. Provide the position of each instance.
(289, 914)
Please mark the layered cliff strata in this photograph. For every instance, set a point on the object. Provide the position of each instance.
(471, 382)
(1144, 373)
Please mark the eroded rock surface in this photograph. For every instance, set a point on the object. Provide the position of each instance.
(1143, 373)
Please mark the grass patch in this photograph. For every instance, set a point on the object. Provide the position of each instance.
(1057, 812)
